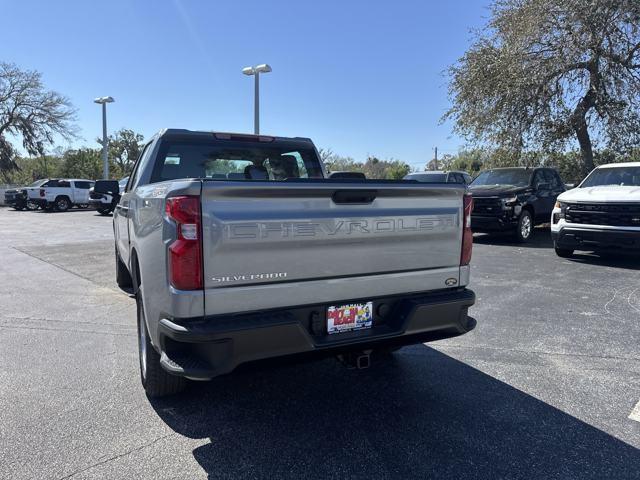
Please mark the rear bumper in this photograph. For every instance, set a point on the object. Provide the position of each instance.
(99, 203)
(594, 239)
(204, 348)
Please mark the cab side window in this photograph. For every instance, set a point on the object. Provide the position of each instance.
(538, 178)
(552, 178)
(135, 174)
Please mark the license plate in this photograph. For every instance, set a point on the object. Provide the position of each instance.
(346, 318)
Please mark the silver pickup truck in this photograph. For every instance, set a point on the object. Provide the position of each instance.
(241, 248)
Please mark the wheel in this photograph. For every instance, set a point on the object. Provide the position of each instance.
(157, 382)
(563, 252)
(525, 226)
(104, 210)
(62, 204)
(123, 277)
(32, 205)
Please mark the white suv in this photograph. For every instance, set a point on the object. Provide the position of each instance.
(602, 213)
(61, 194)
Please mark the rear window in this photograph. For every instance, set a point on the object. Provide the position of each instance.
(232, 160)
(83, 185)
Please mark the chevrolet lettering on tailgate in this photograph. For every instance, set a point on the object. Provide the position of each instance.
(250, 230)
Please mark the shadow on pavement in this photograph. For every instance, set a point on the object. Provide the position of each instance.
(421, 414)
(541, 238)
(629, 261)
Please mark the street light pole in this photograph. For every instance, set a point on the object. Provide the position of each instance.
(256, 104)
(256, 71)
(105, 145)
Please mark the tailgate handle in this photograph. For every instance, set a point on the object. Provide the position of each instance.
(354, 196)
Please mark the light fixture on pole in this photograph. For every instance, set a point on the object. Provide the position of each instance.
(105, 147)
(256, 71)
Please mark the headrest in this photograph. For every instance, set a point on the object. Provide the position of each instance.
(284, 166)
(254, 172)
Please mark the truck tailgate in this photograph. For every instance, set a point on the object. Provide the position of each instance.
(282, 235)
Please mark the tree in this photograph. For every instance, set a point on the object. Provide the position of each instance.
(385, 169)
(372, 168)
(31, 114)
(545, 71)
(337, 163)
(124, 149)
(470, 161)
(81, 163)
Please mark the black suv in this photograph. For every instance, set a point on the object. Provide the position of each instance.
(514, 199)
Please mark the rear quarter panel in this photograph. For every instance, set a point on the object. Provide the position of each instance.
(150, 234)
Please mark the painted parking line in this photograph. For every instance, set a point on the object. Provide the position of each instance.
(635, 413)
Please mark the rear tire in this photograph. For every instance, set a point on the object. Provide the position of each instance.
(123, 277)
(157, 382)
(524, 230)
(564, 252)
(62, 204)
(32, 206)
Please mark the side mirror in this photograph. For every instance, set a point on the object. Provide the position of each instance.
(110, 187)
(544, 186)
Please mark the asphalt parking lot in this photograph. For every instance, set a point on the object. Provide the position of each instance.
(543, 388)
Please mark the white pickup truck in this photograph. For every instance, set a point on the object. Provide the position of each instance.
(61, 193)
(602, 213)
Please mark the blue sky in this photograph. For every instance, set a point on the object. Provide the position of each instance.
(358, 77)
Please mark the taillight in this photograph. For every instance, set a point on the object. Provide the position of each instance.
(467, 234)
(42, 192)
(185, 253)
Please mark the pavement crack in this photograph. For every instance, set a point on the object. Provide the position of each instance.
(48, 262)
(116, 457)
(71, 330)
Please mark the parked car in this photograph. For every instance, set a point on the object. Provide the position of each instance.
(602, 213)
(239, 248)
(514, 199)
(437, 176)
(104, 197)
(19, 198)
(61, 194)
